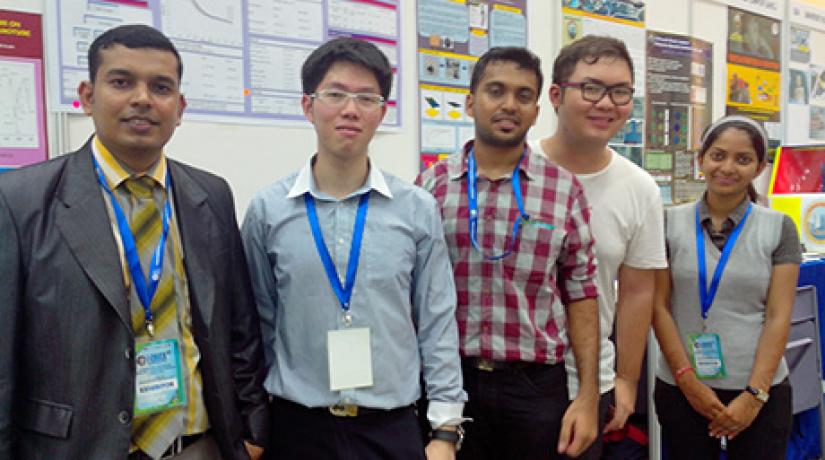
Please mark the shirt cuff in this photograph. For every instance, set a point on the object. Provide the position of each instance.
(441, 413)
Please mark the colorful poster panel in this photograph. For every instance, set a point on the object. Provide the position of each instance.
(623, 10)
(754, 92)
(753, 39)
(22, 103)
(451, 37)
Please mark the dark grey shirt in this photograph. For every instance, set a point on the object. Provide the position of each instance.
(787, 252)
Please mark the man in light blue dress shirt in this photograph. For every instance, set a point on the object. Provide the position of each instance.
(353, 284)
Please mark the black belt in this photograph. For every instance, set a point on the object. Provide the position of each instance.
(178, 445)
(490, 365)
(340, 410)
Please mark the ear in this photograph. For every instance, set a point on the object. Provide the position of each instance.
(556, 93)
(468, 105)
(181, 107)
(306, 105)
(86, 93)
(536, 117)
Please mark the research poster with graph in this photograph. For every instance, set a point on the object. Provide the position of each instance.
(679, 100)
(241, 58)
(22, 104)
(451, 37)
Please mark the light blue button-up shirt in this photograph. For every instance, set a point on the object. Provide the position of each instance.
(404, 293)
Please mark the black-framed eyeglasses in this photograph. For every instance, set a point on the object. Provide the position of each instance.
(338, 98)
(592, 91)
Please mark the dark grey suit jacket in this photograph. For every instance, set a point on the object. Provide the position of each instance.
(67, 369)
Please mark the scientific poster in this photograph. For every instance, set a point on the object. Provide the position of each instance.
(679, 79)
(22, 104)
(622, 10)
(242, 59)
(753, 79)
(451, 37)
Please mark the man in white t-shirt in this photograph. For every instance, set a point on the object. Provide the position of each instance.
(592, 94)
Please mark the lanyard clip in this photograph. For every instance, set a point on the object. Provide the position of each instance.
(150, 327)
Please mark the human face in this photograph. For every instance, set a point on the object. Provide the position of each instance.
(504, 104)
(730, 164)
(592, 122)
(346, 131)
(135, 101)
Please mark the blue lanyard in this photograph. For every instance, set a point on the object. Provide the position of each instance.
(706, 296)
(145, 289)
(344, 293)
(472, 199)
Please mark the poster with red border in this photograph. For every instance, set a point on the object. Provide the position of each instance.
(22, 102)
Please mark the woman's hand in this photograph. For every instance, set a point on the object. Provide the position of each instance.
(701, 397)
(739, 415)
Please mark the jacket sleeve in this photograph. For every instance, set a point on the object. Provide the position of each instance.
(248, 368)
(11, 293)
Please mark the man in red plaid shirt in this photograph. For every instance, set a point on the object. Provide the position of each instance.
(518, 232)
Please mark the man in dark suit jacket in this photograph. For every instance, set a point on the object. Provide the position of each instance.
(69, 342)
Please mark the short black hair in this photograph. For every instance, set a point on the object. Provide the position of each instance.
(522, 57)
(589, 49)
(359, 52)
(133, 36)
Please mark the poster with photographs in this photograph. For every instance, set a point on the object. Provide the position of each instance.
(451, 37)
(800, 45)
(753, 71)
(679, 79)
(631, 11)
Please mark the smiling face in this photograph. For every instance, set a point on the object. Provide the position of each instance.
(730, 163)
(581, 121)
(344, 132)
(135, 101)
(504, 104)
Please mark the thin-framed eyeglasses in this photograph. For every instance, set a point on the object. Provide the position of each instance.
(592, 91)
(337, 98)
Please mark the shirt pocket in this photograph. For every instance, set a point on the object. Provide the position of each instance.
(539, 247)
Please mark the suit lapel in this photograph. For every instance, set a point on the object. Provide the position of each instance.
(197, 230)
(85, 225)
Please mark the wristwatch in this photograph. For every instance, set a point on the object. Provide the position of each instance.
(456, 437)
(761, 395)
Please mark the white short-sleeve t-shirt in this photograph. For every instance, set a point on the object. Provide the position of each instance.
(627, 224)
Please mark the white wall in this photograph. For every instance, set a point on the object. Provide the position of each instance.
(251, 157)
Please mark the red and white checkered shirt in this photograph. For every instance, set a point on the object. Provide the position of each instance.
(513, 309)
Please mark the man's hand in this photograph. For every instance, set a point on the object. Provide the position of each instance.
(438, 449)
(739, 415)
(625, 392)
(579, 426)
(254, 451)
(701, 398)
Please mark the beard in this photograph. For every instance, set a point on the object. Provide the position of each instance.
(489, 138)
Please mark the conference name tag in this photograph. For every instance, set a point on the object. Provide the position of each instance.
(159, 377)
(350, 359)
(706, 355)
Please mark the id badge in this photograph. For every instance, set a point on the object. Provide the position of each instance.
(706, 355)
(350, 359)
(159, 377)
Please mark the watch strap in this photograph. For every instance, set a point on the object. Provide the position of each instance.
(760, 395)
(446, 435)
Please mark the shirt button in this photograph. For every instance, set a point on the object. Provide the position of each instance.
(485, 328)
(124, 417)
(340, 241)
(127, 353)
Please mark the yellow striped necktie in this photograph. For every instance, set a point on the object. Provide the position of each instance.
(155, 432)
